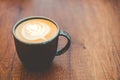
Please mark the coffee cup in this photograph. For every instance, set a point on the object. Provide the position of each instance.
(36, 41)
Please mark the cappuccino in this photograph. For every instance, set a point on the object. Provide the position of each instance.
(36, 30)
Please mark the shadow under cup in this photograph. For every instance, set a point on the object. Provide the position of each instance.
(38, 56)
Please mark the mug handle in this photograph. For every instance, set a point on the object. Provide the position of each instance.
(64, 49)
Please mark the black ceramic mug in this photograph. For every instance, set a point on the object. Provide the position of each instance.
(39, 55)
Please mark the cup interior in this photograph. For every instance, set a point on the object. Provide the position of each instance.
(35, 17)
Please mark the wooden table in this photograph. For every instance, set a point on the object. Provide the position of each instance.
(94, 26)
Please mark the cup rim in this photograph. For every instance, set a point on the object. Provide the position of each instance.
(35, 17)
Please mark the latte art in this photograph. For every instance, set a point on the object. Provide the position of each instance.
(35, 31)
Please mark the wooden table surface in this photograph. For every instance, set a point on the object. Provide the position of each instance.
(94, 26)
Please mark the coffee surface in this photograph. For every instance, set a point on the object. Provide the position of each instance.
(36, 30)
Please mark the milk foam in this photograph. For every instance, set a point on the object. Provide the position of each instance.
(34, 31)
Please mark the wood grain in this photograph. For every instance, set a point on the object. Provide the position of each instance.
(94, 26)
